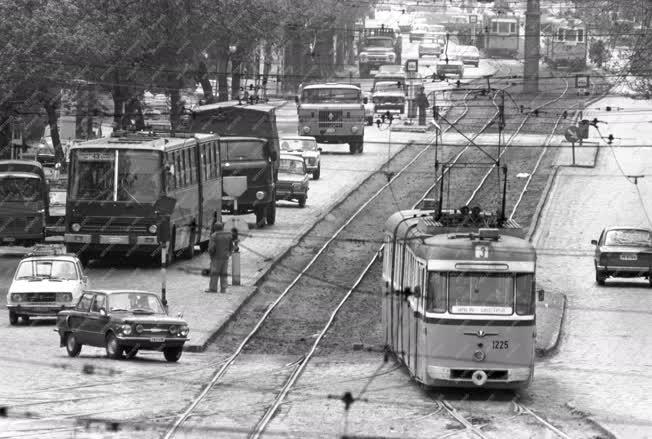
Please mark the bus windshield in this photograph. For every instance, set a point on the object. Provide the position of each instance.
(138, 177)
(14, 188)
(236, 150)
(317, 95)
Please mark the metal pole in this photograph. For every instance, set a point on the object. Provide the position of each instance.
(531, 49)
(235, 258)
(164, 263)
(573, 150)
(580, 119)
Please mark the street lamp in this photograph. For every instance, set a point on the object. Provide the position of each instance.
(232, 49)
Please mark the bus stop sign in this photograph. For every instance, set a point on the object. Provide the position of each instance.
(571, 134)
(234, 186)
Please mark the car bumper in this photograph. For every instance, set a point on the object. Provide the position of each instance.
(38, 310)
(149, 345)
(113, 240)
(289, 195)
(624, 269)
(312, 168)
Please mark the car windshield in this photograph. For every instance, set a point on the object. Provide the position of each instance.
(291, 166)
(387, 43)
(13, 188)
(317, 95)
(138, 177)
(144, 303)
(235, 150)
(624, 237)
(298, 145)
(47, 269)
(388, 86)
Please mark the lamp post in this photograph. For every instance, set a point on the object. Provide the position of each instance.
(232, 50)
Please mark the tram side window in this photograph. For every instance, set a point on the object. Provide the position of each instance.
(494, 26)
(215, 164)
(203, 161)
(178, 170)
(512, 28)
(580, 35)
(436, 298)
(525, 294)
(560, 34)
(192, 169)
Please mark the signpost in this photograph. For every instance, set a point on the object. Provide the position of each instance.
(411, 68)
(164, 207)
(233, 187)
(473, 19)
(572, 136)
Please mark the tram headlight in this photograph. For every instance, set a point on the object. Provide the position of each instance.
(76, 227)
(354, 129)
(306, 129)
(260, 195)
(174, 329)
(139, 328)
(153, 229)
(184, 331)
(479, 356)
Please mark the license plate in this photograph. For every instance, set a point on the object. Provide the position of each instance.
(157, 339)
(330, 130)
(628, 257)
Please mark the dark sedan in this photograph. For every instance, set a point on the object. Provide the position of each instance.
(623, 252)
(123, 322)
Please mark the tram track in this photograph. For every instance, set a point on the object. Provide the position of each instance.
(261, 424)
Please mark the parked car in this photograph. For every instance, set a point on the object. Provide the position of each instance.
(623, 252)
(46, 281)
(123, 322)
(293, 179)
(305, 147)
(468, 54)
(450, 66)
(430, 46)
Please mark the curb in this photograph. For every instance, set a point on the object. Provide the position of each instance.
(591, 420)
(538, 211)
(548, 350)
(258, 279)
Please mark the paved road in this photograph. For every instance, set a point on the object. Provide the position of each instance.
(604, 362)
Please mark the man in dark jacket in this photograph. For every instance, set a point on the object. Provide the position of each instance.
(220, 248)
(421, 102)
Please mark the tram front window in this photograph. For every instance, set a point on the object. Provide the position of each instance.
(484, 293)
(436, 298)
(525, 294)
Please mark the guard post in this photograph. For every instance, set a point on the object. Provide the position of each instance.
(234, 187)
(163, 209)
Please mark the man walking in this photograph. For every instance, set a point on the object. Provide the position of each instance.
(422, 104)
(220, 248)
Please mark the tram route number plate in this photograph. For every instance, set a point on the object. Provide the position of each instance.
(482, 251)
(500, 344)
(157, 339)
(626, 257)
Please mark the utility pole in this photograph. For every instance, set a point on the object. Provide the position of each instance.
(531, 49)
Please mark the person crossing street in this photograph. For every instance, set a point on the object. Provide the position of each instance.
(220, 248)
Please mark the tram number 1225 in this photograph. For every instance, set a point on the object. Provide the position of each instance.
(500, 344)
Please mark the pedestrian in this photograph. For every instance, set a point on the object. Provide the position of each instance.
(422, 104)
(220, 248)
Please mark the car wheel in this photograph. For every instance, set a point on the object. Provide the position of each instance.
(302, 201)
(172, 355)
(113, 348)
(360, 147)
(352, 148)
(25, 319)
(317, 173)
(13, 318)
(600, 277)
(72, 347)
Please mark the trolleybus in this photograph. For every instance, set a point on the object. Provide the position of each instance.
(114, 186)
(459, 305)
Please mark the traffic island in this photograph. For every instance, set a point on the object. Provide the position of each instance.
(550, 318)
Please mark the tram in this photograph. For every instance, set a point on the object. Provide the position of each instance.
(459, 302)
(563, 42)
(502, 34)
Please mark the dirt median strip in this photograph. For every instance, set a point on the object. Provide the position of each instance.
(550, 317)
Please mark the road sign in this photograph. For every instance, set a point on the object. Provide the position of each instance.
(571, 134)
(473, 19)
(582, 81)
(239, 224)
(234, 186)
(412, 65)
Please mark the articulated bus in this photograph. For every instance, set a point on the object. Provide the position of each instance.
(459, 302)
(114, 185)
(24, 202)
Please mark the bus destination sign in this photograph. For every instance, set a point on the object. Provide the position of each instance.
(95, 156)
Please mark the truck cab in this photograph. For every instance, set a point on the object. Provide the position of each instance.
(378, 46)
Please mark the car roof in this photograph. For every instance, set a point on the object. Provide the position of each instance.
(607, 229)
(331, 85)
(64, 257)
(110, 292)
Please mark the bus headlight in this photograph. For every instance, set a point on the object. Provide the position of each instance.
(354, 129)
(153, 228)
(260, 195)
(306, 129)
(363, 57)
(173, 329)
(76, 227)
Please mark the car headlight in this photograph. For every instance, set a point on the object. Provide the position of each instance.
(16, 297)
(306, 129)
(184, 331)
(260, 195)
(139, 328)
(126, 329)
(296, 186)
(153, 228)
(354, 129)
(76, 227)
(65, 297)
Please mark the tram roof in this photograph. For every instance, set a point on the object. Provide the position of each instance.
(431, 240)
(142, 140)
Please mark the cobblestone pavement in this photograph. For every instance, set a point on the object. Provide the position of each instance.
(604, 361)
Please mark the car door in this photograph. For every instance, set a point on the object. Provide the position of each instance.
(96, 320)
(77, 318)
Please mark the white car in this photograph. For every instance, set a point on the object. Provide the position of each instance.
(47, 281)
(306, 147)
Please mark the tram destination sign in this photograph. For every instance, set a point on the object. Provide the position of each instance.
(503, 310)
(95, 156)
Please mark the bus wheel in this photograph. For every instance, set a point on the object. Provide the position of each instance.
(271, 212)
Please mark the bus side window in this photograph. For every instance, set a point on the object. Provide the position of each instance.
(170, 178)
(216, 159)
(190, 164)
(184, 169)
(204, 161)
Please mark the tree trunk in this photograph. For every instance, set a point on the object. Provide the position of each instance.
(236, 75)
(81, 113)
(134, 111)
(222, 63)
(267, 66)
(175, 107)
(203, 79)
(51, 110)
(341, 47)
